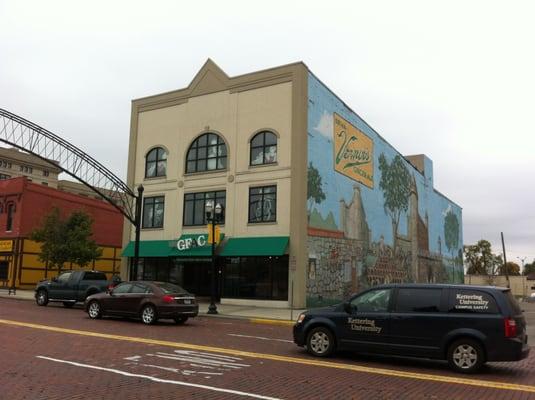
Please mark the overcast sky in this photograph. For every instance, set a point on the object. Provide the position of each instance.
(453, 79)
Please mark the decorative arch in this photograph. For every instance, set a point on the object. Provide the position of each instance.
(156, 162)
(263, 147)
(208, 152)
(36, 140)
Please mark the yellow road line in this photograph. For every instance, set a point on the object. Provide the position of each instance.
(282, 322)
(294, 360)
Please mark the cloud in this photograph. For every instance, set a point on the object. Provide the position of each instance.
(325, 125)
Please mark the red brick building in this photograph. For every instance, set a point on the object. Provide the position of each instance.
(23, 206)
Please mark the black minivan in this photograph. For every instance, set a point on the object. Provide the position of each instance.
(465, 325)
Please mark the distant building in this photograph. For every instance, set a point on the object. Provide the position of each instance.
(15, 163)
(23, 204)
(317, 203)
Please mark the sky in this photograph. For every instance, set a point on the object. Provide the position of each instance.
(454, 80)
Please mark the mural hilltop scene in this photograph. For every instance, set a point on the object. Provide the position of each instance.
(374, 216)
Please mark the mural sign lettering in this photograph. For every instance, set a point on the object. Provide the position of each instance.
(353, 152)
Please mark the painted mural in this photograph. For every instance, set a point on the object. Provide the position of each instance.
(373, 217)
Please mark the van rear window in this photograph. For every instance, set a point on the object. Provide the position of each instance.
(472, 301)
(513, 303)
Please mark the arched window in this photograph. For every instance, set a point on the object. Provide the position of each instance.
(9, 220)
(156, 163)
(207, 153)
(264, 148)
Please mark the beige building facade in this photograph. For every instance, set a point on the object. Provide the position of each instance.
(241, 113)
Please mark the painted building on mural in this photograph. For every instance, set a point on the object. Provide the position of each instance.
(316, 204)
(23, 205)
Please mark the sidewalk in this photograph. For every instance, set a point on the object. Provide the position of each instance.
(266, 315)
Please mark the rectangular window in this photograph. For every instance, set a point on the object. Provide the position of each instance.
(10, 211)
(418, 300)
(263, 204)
(153, 212)
(195, 203)
(46, 173)
(4, 176)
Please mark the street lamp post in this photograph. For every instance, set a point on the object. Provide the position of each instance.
(213, 216)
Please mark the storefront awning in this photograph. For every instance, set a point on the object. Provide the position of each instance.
(188, 245)
(255, 246)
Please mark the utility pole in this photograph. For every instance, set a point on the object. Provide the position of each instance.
(505, 263)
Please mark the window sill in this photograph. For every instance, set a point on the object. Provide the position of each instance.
(213, 171)
(273, 164)
(155, 178)
(152, 229)
(261, 223)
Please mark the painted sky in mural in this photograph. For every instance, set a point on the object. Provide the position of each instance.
(325, 213)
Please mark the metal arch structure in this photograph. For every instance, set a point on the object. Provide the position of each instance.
(31, 138)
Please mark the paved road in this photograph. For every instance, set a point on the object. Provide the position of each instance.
(58, 353)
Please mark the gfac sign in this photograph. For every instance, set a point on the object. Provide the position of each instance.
(191, 242)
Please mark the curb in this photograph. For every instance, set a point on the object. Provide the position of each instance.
(253, 320)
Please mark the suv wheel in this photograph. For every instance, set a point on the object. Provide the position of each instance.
(148, 315)
(42, 297)
(320, 342)
(466, 355)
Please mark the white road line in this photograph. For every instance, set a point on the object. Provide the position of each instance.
(158, 380)
(259, 337)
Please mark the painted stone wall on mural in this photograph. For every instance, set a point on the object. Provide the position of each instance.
(373, 217)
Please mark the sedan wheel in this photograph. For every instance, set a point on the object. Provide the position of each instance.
(93, 310)
(148, 315)
(320, 342)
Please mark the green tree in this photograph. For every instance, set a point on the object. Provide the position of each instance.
(315, 191)
(512, 268)
(451, 230)
(480, 260)
(66, 240)
(529, 268)
(395, 184)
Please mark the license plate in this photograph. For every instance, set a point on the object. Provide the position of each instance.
(187, 301)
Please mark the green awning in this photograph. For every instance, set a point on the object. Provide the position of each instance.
(188, 245)
(255, 246)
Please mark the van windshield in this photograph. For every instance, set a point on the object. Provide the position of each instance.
(512, 302)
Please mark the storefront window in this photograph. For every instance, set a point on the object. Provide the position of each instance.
(263, 278)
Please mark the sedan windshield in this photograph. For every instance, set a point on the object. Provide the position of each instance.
(169, 287)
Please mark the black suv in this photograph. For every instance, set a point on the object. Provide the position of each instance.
(466, 325)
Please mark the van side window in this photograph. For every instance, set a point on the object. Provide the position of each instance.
(418, 300)
(372, 301)
(472, 301)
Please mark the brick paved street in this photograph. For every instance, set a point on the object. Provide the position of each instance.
(212, 358)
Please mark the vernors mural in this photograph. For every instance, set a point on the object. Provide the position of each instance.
(373, 217)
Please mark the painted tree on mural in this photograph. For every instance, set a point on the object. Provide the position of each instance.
(315, 191)
(451, 231)
(395, 184)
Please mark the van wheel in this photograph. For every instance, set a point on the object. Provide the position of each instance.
(466, 356)
(320, 342)
(42, 297)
